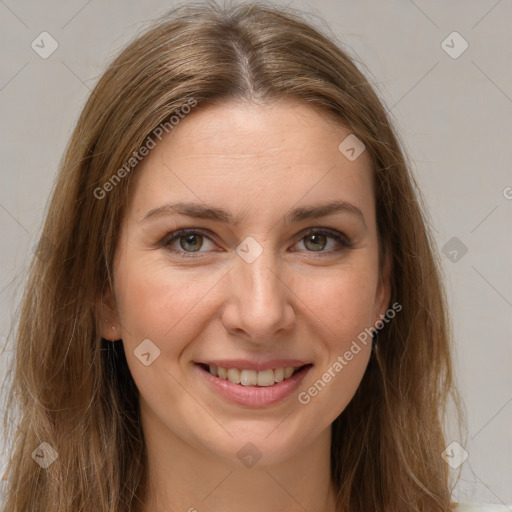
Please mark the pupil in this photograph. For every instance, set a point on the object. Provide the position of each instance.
(317, 239)
(192, 240)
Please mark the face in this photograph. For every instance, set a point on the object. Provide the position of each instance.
(269, 278)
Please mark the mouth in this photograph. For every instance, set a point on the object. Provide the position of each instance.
(252, 387)
(253, 378)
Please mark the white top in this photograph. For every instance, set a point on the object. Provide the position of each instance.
(482, 507)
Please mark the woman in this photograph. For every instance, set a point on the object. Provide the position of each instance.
(236, 303)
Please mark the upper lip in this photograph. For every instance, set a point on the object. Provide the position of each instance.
(248, 364)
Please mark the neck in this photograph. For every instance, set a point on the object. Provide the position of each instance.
(184, 477)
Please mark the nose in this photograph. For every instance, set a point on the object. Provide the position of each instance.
(259, 302)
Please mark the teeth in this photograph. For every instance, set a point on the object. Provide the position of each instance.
(252, 377)
(266, 378)
(248, 377)
(288, 372)
(234, 375)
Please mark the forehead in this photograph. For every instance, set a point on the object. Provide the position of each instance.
(236, 152)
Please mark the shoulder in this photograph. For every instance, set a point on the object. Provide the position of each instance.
(481, 507)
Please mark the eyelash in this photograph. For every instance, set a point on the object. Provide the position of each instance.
(341, 239)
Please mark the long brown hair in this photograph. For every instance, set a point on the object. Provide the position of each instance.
(74, 391)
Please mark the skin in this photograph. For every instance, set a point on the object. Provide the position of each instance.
(258, 162)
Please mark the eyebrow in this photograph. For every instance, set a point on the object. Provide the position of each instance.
(202, 211)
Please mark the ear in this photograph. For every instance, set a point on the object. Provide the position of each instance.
(383, 294)
(109, 325)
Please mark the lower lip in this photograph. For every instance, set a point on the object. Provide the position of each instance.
(254, 396)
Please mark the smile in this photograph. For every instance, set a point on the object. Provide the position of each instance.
(251, 387)
(247, 377)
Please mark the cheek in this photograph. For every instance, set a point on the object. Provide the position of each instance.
(157, 303)
(343, 301)
(166, 307)
(343, 308)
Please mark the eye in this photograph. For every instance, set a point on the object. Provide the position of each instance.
(186, 240)
(316, 240)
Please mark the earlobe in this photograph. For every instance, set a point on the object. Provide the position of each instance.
(109, 326)
(110, 335)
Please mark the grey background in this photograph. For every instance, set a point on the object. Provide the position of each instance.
(453, 114)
